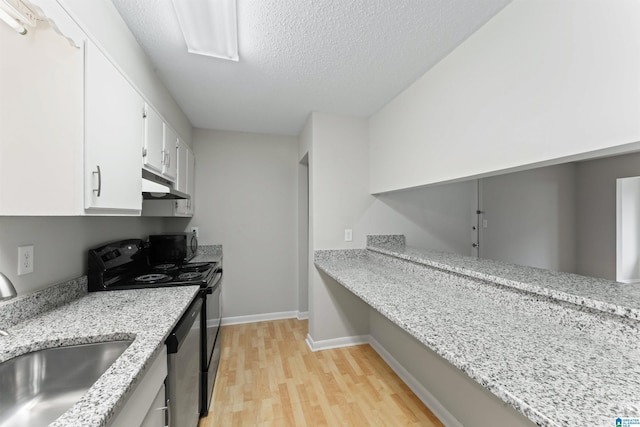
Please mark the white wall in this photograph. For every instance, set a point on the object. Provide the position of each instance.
(101, 20)
(61, 244)
(531, 218)
(543, 79)
(596, 207)
(338, 198)
(246, 195)
(438, 217)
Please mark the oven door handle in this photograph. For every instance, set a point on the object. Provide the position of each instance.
(215, 282)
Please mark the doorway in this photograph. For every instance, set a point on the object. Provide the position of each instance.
(303, 237)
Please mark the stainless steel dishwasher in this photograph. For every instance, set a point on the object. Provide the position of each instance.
(183, 379)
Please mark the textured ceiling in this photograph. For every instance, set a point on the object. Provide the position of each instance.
(298, 56)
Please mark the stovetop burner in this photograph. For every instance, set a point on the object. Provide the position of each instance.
(165, 268)
(153, 278)
(195, 266)
(191, 275)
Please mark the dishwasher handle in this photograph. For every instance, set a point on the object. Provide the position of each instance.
(180, 332)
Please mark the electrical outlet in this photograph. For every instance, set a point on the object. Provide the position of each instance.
(25, 259)
(195, 230)
(348, 235)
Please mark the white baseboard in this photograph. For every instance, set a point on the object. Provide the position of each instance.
(303, 315)
(423, 394)
(252, 318)
(336, 342)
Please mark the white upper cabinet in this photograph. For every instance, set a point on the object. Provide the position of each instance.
(191, 181)
(153, 145)
(159, 150)
(113, 131)
(72, 131)
(181, 181)
(186, 179)
(169, 153)
(185, 182)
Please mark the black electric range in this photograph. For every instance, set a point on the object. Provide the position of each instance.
(125, 265)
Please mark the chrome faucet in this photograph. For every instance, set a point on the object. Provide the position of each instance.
(7, 291)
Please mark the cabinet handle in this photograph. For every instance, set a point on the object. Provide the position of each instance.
(99, 190)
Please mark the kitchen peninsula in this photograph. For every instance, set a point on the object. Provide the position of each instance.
(566, 353)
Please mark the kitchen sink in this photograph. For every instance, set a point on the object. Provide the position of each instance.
(38, 387)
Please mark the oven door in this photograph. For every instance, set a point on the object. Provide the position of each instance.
(213, 315)
(210, 341)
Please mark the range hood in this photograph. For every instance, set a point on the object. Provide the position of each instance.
(157, 188)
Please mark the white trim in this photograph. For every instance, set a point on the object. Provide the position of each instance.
(423, 394)
(336, 342)
(303, 315)
(252, 318)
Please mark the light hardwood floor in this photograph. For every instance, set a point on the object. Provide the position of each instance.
(268, 376)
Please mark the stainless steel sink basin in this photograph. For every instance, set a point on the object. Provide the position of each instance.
(36, 388)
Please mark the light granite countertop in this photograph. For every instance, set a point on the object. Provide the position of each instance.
(559, 364)
(145, 315)
(208, 253)
(600, 294)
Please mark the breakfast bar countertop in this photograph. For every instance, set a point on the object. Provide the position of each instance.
(557, 363)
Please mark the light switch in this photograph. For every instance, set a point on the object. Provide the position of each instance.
(484, 223)
(348, 235)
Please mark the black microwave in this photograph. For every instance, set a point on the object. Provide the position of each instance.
(172, 247)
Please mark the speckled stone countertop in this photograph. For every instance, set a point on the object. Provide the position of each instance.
(559, 364)
(604, 295)
(145, 315)
(208, 253)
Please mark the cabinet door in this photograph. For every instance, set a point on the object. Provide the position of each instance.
(185, 179)
(181, 180)
(113, 130)
(156, 417)
(152, 153)
(169, 153)
(191, 181)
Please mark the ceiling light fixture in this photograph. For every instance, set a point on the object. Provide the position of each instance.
(209, 27)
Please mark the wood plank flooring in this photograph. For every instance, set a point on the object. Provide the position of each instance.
(269, 377)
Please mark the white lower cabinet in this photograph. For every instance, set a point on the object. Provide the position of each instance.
(146, 405)
(157, 415)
